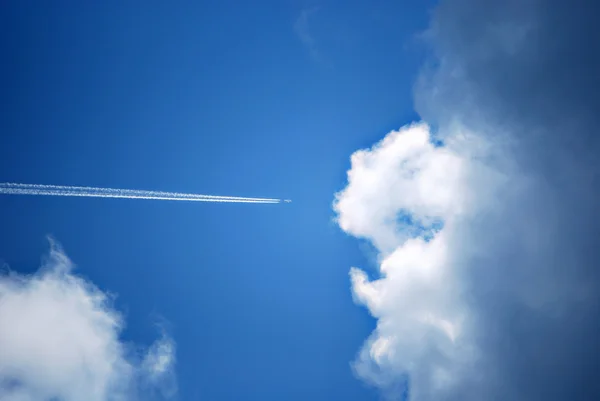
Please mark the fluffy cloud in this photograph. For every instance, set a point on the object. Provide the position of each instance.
(59, 339)
(409, 197)
(404, 172)
(489, 245)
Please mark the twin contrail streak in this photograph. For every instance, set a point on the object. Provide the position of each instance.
(93, 192)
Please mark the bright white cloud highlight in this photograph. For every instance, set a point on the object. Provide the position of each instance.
(59, 339)
(409, 197)
(404, 172)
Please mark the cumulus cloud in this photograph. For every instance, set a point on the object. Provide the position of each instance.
(409, 197)
(60, 340)
(490, 244)
(403, 172)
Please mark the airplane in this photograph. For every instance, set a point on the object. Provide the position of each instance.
(287, 200)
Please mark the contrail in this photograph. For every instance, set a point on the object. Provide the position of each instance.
(9, 188)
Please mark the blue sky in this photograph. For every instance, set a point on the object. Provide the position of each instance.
(233, 98)
(444, 230)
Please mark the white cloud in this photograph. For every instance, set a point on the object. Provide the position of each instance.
(502, 302)
(404, 172)
(59, 339)
(488, 250)
(157, 369)
(423, 320)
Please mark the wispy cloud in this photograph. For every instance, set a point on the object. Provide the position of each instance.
(303, 30)
(60, 339)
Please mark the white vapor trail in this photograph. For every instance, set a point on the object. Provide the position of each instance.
(93, 192)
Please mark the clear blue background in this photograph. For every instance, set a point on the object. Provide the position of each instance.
(216, 98)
